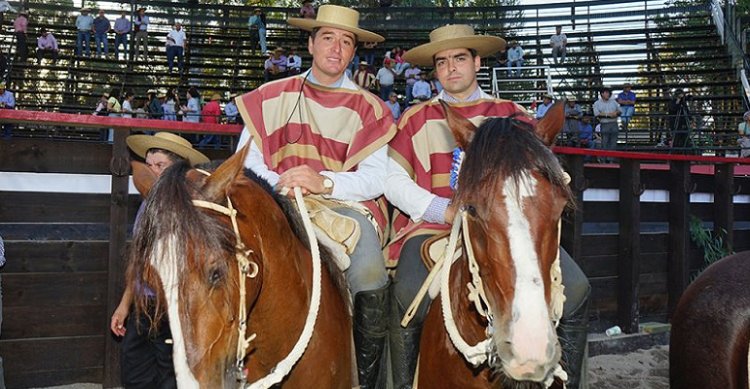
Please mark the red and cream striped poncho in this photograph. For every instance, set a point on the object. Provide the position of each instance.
(328, 129)
(423, 147)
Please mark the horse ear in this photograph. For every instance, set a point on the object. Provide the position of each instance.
(143, 177)
(550, 125)
(462, 129)
(218, 183)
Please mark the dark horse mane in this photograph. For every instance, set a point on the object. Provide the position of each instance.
(506, 147)
(169, 211)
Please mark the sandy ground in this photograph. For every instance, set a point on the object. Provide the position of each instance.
(643, 369)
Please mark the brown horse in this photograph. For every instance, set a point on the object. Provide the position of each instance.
(189, 254)
(710, 335)
(513, 192)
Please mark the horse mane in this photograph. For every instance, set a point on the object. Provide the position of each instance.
(506, 147)
(295, 221)
(169, 212)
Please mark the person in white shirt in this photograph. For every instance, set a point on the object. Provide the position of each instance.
(515, 59)
(558, 42)
(421, 89)
(294, 62)
(176, 42)
(385, 78)
(127, 104)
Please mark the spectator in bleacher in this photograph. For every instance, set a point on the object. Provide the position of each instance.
(385, 78)
(307, 11)
(294, 62)
(559, 43)
(192, 111)
(397, 55)
(257, 25)
(367, 52)
(515, 59)
(231, 111)
(422, 90)
(7, 101)
(84, 25)
(127, 104)
(115, 110)
(744, 131)
(394, 105)
(176, 42)
(626, 99)
(101, 105)
(122, 29)
(501, 59)
(155, 102)
(102, 26)
(606, 110)
(572, 125)
(46, 46)
(20, 25)
(585, 132)
(169, 105)
(541, 110)
(211, 112)
(411, 75)
(363, 76)
(275, 66)
(140, 26)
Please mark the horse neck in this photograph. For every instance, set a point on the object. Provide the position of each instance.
(278, 314)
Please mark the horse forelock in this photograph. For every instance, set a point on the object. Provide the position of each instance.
(507, 147)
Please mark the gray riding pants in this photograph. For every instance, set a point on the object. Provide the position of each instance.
(367, 270)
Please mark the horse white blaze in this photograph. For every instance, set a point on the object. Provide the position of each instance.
(530, 333)
(166, 252)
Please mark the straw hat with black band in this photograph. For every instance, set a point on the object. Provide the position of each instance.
(141, 144)
(457, 36)
(338, 17)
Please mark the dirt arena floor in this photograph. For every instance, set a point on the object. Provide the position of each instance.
(643, 369)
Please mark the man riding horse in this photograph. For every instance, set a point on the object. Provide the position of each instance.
(321, 132)
(419, 184)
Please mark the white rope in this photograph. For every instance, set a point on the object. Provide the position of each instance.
(283, 368)
(476, 354)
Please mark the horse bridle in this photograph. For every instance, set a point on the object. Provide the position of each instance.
(249, 269)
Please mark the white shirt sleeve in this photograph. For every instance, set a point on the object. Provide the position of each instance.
(404, 193)
(366, 183)
(254, 160)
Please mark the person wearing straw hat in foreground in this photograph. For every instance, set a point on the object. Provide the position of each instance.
(420, 157)
(323, 133)
(146, 357)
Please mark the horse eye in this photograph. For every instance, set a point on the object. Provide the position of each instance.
(215, 276)
(470, 209)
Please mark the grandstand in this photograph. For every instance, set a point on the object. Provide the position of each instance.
(656, 46)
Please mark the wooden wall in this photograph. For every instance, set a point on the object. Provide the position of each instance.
(55, 284)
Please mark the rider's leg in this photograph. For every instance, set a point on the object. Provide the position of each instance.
(368, 281)
(404, 341)
(573, 328)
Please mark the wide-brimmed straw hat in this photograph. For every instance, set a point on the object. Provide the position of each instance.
(335, 16)
(458, 36)
(363, 63)
(151, 91)
(215, 96)
(141, 144)
(572, 98)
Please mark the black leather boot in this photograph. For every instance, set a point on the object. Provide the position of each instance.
(371, 310)
(573, 332)
(404, 346)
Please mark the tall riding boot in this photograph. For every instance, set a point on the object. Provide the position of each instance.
(404, 343)
(370, 330)
(573, 333)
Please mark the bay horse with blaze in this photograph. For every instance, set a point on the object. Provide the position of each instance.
(188, 254)
(511, 192)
